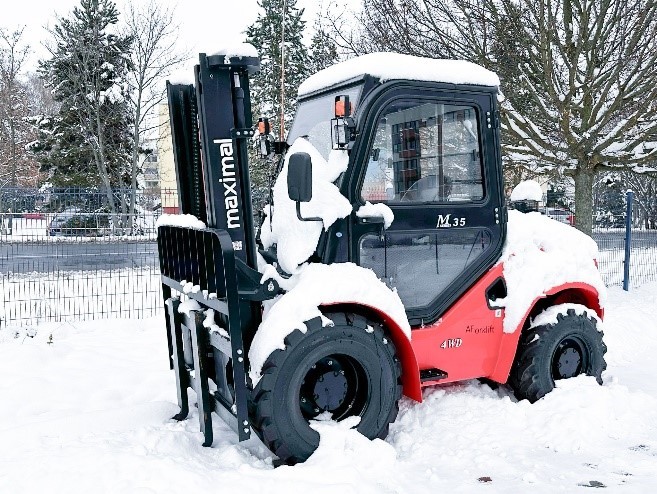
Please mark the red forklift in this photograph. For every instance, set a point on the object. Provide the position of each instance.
(428, 148)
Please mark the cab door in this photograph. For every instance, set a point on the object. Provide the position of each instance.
(432, 156)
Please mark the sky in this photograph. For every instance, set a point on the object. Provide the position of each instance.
(205, 25)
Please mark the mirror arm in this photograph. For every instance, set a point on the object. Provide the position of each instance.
(301, 218)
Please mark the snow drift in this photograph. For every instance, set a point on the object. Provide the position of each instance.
(540, 254)
(316, 285)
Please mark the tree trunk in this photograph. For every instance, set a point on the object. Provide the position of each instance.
(14, 165)
(584, 198)
(101, 163)
(133, 171)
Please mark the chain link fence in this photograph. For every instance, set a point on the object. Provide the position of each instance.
(66, 255)
(628, 249)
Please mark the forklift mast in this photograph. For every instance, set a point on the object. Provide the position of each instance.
(215, 267)
(210, 125)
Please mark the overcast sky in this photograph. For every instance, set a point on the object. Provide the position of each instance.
(205, 25)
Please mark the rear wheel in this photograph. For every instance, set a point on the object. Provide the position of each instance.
(565, 349)
(348, 369)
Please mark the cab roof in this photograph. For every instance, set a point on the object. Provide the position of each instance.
(389, 66)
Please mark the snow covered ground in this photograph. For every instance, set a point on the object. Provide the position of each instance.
(89, 409)
(36, 230)
(29, 299)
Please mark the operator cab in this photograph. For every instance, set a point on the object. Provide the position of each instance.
(429, 150)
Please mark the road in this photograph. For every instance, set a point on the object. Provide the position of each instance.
(615, 240)
(47, 257)
(21, 258)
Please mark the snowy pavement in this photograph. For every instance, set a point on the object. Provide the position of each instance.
(88, 411)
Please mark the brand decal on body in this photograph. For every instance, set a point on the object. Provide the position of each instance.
(229, 181)
(481, 330)
(446, 221)
(451, 343)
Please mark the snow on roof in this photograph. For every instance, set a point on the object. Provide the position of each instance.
(388, 66)
(527, 190)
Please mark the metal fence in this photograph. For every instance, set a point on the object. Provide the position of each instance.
(628, 250)
(64, 256)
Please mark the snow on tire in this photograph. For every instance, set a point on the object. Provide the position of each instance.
(569, 347)
(346, 370)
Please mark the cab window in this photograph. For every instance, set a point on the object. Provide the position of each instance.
(425, 152)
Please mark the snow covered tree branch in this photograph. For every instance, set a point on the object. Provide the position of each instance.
(579, 76)
(15, 108)
(154, 56)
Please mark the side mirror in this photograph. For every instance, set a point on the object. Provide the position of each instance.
(300, 177)
(300, 181)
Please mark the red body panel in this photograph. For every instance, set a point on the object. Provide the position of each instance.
(469, 342)
(569, 292)
(469, 320)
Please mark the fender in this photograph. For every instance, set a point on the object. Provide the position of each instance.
(581, 293)
(410, 370)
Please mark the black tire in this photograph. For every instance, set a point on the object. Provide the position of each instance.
(570, 347)
(357, 369)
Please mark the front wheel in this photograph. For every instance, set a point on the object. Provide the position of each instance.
(345, 370)
(570, 347)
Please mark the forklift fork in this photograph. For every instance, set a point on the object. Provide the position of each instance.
(209, 361)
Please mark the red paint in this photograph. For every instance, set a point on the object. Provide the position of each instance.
(410, 370)
(471, 321)
(581, 293)
(406, 354)
(471, 333)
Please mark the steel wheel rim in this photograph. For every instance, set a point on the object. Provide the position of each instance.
(570, 358)
(337, 384)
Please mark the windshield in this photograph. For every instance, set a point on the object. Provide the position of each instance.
(313, 119)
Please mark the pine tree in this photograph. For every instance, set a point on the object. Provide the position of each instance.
(266, 34)
(88, 140)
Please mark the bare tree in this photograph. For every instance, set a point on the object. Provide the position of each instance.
(14, 109)
(580, 76)
(644, 186)
(591, 75)
(155, 55)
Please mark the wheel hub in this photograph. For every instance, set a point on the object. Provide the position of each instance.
(568, 359)
(333, 384)
(330, 390)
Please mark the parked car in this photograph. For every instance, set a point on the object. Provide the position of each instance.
(561, 215)
(34, 216)
(73, 221)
